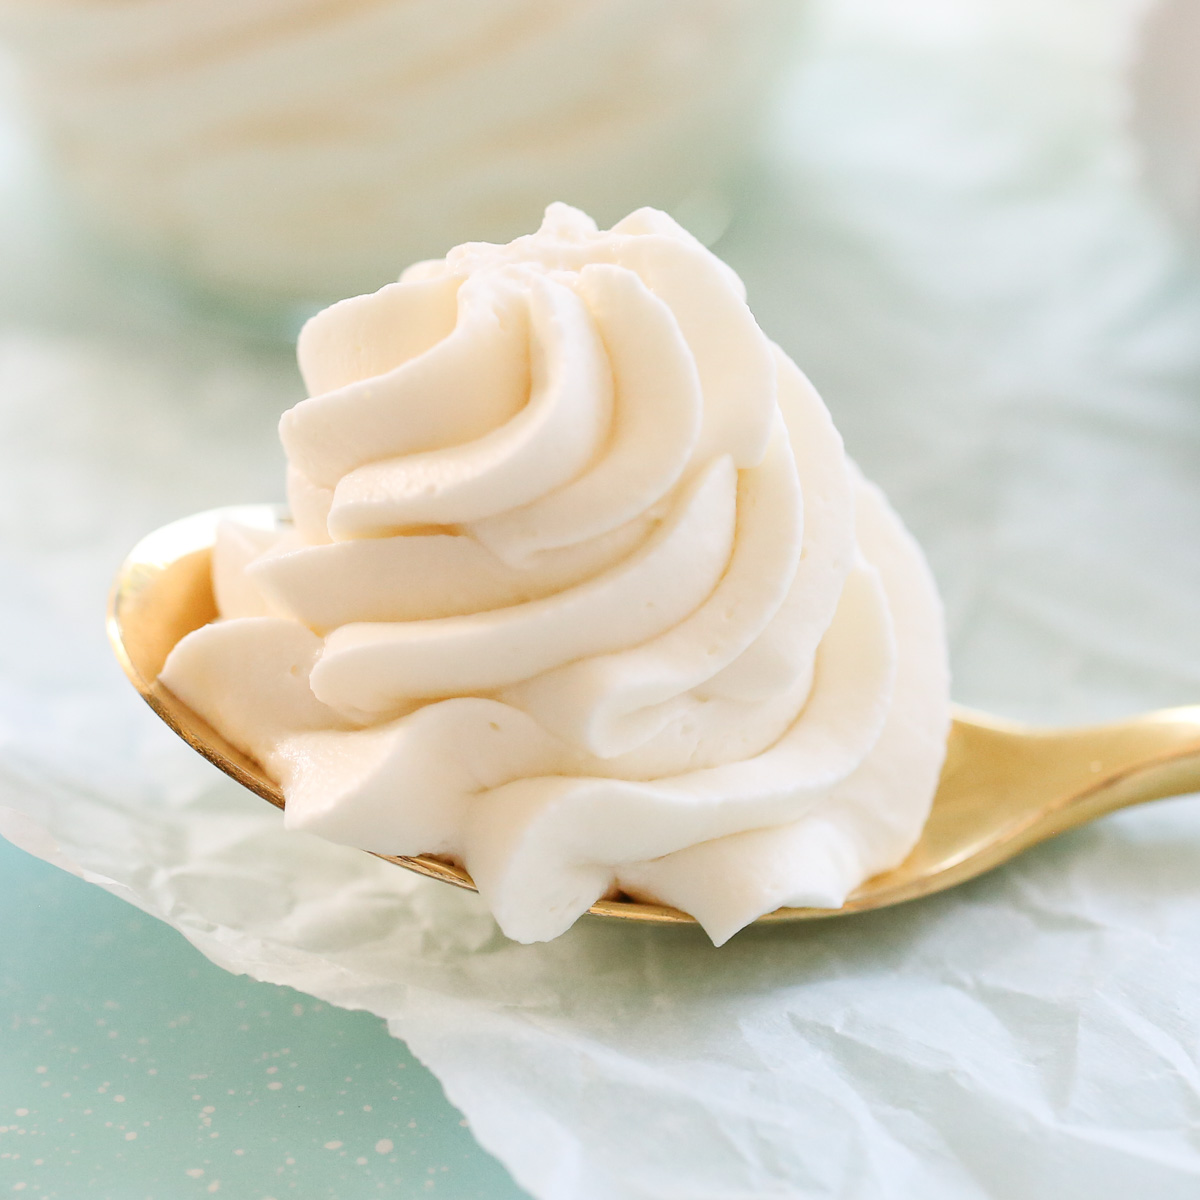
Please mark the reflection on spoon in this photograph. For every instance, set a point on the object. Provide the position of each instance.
(1004, 787)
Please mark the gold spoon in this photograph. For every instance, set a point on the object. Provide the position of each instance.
(1004, 786)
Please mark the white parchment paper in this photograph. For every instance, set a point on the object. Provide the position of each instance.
(951, 239)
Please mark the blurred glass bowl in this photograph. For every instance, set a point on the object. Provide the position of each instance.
(297, 151)
(1166, 105)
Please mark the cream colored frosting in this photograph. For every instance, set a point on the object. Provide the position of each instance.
(582, 591)
(288, 148)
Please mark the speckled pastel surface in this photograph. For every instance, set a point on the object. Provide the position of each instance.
(130, 1066)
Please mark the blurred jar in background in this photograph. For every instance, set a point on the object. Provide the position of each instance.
(1166, 104)
(304, 150)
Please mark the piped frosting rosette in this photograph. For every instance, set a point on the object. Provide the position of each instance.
(582, 592)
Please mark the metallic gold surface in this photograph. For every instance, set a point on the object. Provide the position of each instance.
(1004, 787)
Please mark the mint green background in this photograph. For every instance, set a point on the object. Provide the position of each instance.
(111, 1025)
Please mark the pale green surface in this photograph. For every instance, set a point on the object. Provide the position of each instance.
(131, 1067)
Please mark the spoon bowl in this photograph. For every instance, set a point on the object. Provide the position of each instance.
(1004, 786)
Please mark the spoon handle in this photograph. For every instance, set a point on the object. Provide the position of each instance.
(1122, 764)
(1006, 787)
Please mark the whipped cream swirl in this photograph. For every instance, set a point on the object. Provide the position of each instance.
(582, 592)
